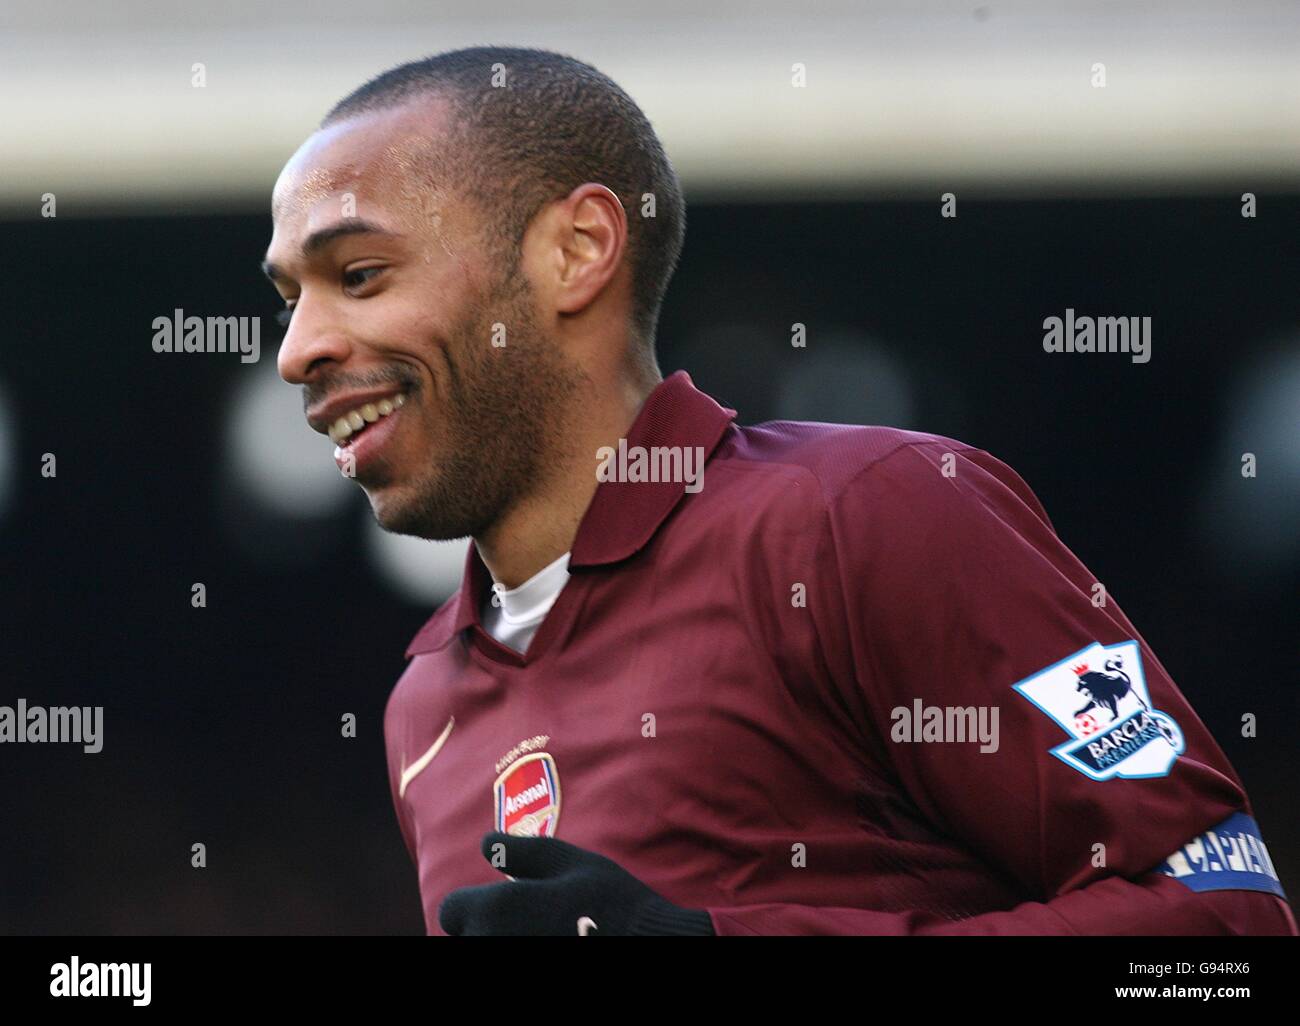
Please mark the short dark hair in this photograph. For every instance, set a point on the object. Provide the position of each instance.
(553, 124)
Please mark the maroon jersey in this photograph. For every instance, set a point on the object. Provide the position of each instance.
(846, 680)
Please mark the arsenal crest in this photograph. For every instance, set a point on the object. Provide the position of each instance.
(527, 797)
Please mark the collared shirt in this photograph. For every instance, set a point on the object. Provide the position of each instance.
(848, 680)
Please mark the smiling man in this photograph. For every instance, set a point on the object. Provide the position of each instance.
(728, 681)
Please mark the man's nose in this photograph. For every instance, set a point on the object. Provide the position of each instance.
(311, 341)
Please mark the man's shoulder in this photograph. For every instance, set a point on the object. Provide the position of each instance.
(916, 474)
(835, 454)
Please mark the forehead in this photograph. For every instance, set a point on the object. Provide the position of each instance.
(393, 161)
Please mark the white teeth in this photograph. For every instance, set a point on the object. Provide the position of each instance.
(347, 425)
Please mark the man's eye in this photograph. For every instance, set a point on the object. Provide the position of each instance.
(283, 317)
(355, 279)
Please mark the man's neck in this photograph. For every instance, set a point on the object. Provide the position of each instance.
(542, 525)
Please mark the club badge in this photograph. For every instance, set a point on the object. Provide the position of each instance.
(527, 796)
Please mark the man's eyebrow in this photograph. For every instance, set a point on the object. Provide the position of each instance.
(322, 237)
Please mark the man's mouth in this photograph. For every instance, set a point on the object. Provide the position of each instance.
(344, 431)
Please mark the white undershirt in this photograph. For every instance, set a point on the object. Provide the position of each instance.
(522, 610)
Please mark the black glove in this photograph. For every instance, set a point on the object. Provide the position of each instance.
(560, 890)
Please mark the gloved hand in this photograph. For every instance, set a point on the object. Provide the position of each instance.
(558, 889)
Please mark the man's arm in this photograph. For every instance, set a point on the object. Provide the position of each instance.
(1113, 906)
(944, 582)
(558, 889)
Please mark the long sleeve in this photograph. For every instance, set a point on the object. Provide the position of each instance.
(960, 606)
(1153, 905)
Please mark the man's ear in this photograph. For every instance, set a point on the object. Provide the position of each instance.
(585, 241)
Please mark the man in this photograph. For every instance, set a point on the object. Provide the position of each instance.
(705, 679)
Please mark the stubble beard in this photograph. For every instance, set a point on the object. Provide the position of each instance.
(506, 410)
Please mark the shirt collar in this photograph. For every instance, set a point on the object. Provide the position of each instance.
(623, 515)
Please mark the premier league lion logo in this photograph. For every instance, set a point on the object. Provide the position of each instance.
(1106, 689)
(1117, 732)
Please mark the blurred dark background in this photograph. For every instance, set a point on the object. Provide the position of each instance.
(222, 724)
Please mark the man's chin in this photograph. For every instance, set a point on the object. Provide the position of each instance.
(390, 513)
(402, 514)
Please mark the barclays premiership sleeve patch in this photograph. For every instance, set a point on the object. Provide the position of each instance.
(1099, 698)
(1228, 857)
